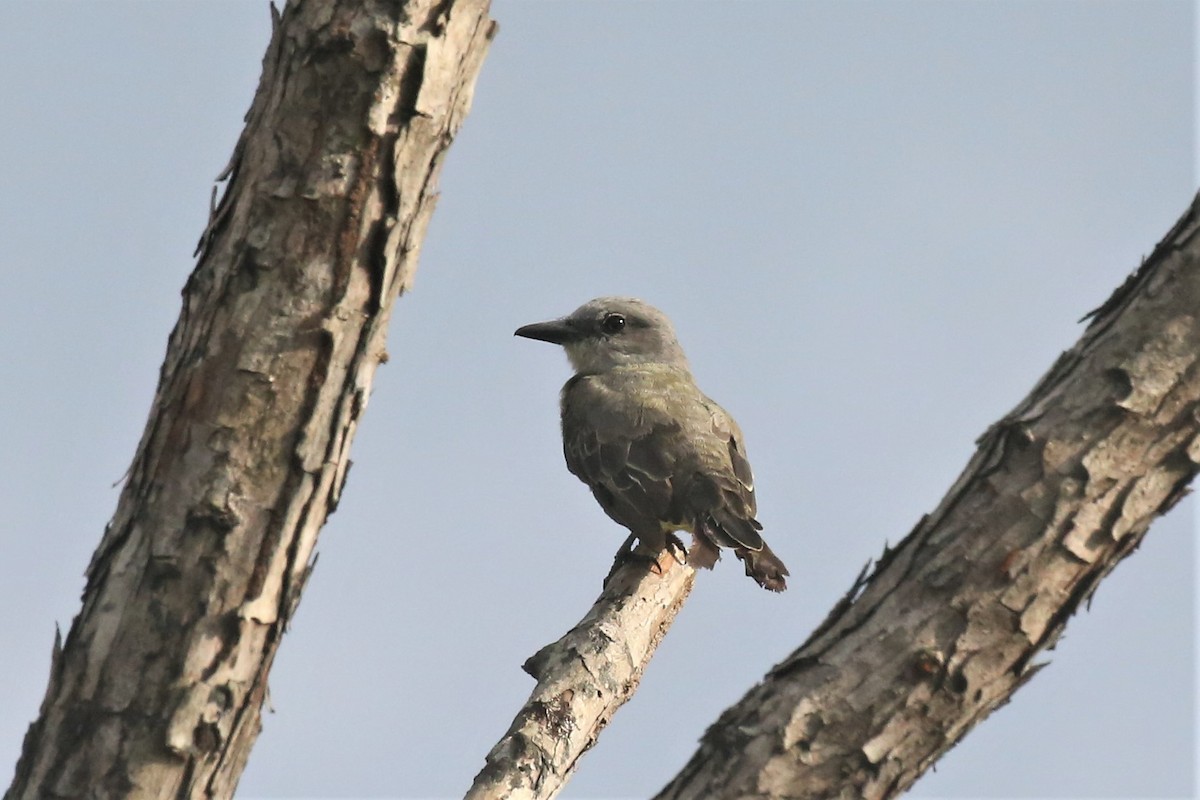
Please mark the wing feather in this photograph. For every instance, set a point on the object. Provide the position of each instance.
(615, 448)
(661, 453)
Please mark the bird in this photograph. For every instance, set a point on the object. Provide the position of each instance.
(658, 454)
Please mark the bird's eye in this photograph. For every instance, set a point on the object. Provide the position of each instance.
(613, 323)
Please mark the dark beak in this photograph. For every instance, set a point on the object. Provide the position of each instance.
(557, 331)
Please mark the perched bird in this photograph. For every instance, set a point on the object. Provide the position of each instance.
(657, 453)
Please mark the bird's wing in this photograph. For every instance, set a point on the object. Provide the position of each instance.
(667, 455)
(725, 510)
(734, 518)
(621, 453)
(727, 430)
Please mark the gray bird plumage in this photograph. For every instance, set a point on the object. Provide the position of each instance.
(657, 453)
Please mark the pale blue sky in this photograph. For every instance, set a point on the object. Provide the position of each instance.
(875, 225)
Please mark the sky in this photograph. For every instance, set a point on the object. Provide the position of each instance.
(874, 224)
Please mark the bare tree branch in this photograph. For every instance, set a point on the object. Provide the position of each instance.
(582, 679)
(156, 692)
(949, 623)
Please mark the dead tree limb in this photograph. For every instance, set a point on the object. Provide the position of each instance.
(582, 679)
(156, 692)
(948, 625)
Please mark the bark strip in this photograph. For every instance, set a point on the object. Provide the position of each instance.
(156, 691)
(949, 623)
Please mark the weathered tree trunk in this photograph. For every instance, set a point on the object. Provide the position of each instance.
(156, 692)
(947, 626)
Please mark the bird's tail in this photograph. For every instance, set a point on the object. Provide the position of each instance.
(764, 566)
(761, 564)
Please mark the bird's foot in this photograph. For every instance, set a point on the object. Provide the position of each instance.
(626, 554)
(631, 553)
(675, 547)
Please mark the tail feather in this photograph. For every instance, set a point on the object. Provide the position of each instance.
(764, 567)
(761, 563)
(704, 552)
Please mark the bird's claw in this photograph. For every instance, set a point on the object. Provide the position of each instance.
(628, 553)
(675, 547)
(624, 555)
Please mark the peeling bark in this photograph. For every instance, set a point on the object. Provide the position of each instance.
(157, 690)
(582, 679)
(949, 622)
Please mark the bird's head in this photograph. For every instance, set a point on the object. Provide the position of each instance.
(611, 332)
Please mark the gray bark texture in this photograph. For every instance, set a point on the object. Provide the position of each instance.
(157, 690)
(582, 679)
(949, 623)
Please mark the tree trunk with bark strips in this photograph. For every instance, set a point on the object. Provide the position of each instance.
(950, 622)
(157, 690)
